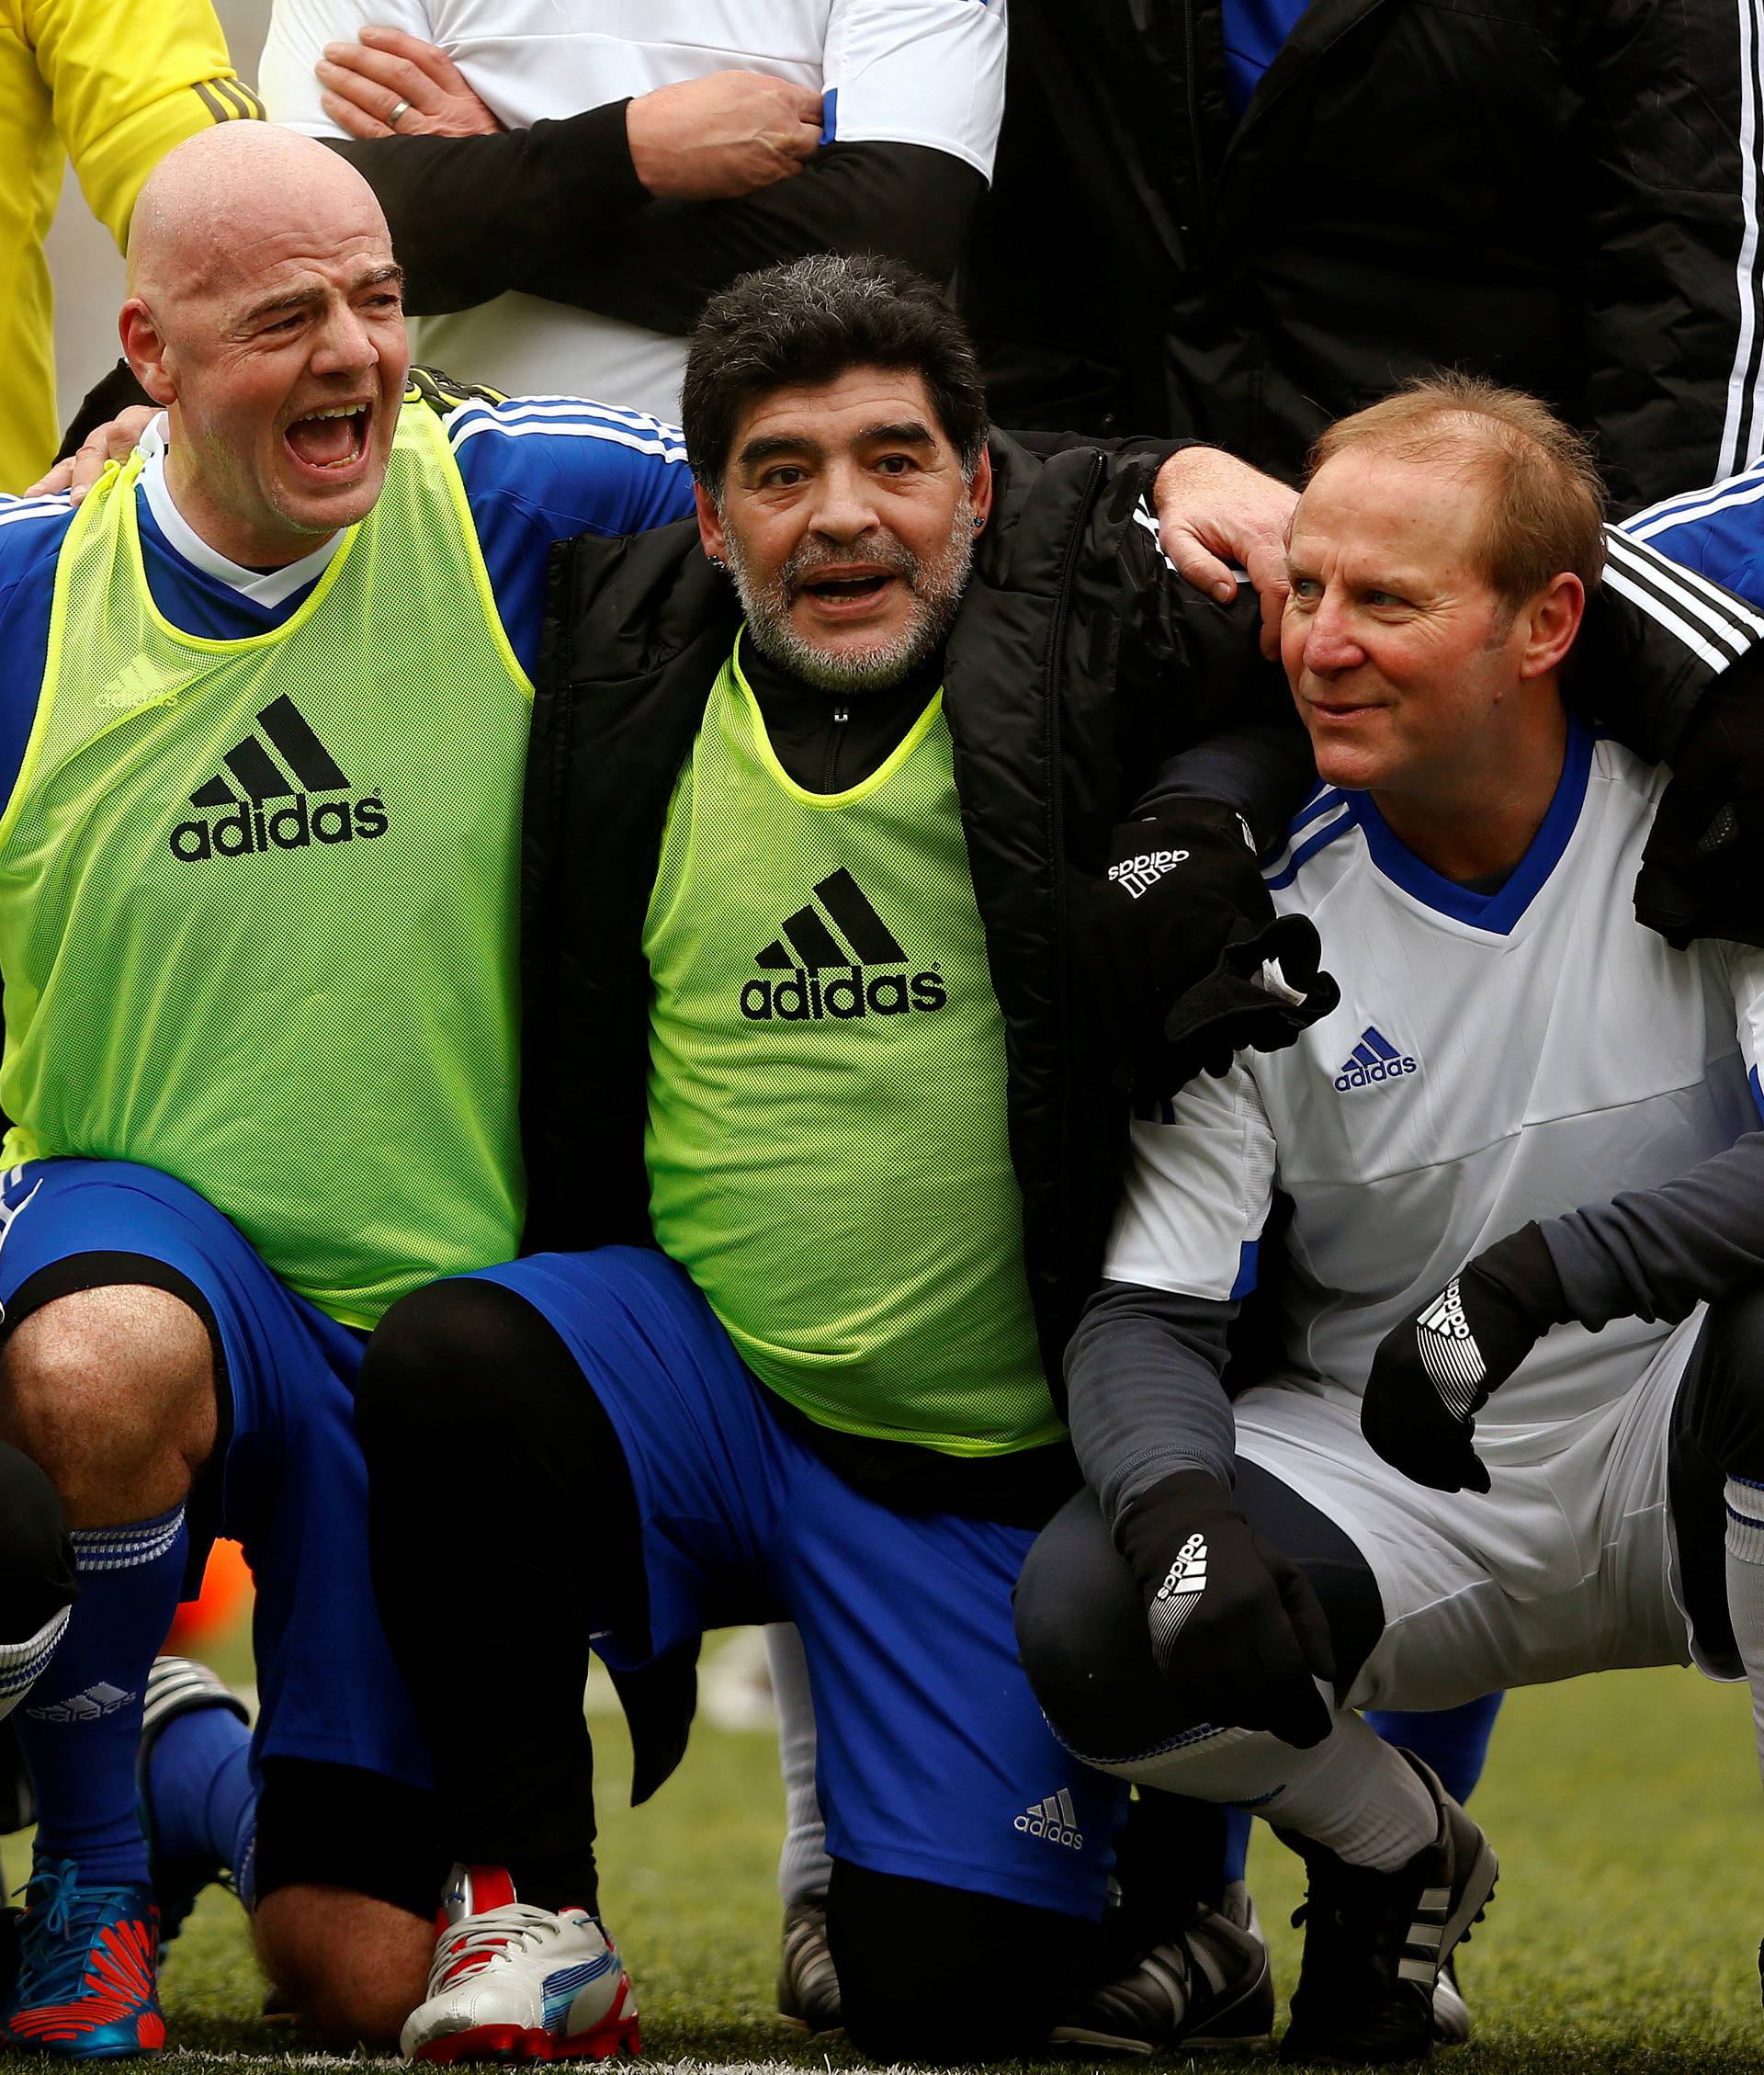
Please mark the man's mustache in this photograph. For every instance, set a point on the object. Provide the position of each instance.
(887, 553)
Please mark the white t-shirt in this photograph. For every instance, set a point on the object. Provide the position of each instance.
(1493, 1059)
(912, 72)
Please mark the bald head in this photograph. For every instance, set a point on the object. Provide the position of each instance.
(263, 311)
(209, 206)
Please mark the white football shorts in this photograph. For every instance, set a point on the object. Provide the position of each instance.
(1566, 1566)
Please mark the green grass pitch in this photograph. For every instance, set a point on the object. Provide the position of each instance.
(1624, 1935)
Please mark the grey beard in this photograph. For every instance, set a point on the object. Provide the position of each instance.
(936, 586)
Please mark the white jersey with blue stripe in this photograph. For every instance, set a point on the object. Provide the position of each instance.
(1495, 1058)
(537, 471)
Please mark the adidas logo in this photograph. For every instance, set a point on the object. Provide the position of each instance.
(1445, 1315)
(1140, 874)
(1449, 1351)
(845, 934)
(1179, 1594)
(1054, 1818)
(136, 686)
(91, 1706)
(252, 823)
(1373, 1059)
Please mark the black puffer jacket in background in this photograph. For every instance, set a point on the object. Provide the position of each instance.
(1544, 192)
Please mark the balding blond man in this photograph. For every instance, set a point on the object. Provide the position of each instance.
(1514, 1429)
(264, 709)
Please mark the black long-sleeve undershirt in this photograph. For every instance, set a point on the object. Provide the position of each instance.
(556, 211)
(471, 217)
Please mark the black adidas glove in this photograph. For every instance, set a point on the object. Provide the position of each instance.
(1235, 1625)
(1173, 891)
(1265, 990)
(1703, 871)
(1179, 895)
(1435, 1372)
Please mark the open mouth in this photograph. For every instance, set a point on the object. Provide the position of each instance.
(332, 440)
(848, 591)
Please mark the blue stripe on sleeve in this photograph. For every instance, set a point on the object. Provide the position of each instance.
(541, 469)
(1757, 1090)
(1693, 503)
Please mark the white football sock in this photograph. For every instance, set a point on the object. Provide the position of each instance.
(1746, 1589)
(803, 1864)
(22, 1663)
(1351, 1792)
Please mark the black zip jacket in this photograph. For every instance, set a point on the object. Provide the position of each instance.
(1551, 193)
(1077, 664)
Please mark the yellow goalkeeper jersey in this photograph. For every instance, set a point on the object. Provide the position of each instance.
(112, 84)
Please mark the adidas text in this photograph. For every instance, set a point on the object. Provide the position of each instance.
(254, 828)
(1373, 1060)
(260, 822)
(135, 690)
(1055, 1819)
(807, 997)
(120, 699)
(1188, 1574)
(1140, 874)
(91, 1706)
(1357, 1076)
(1445, 1315)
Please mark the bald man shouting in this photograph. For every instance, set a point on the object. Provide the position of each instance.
(264, 709)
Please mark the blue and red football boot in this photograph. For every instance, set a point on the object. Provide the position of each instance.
(88, 1958)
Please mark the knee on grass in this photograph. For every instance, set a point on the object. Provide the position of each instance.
(352, 1968)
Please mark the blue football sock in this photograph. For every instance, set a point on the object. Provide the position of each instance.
(202, 1796)
(1238, 1823)
(244, 1851)
(1452, 1740)
(80, 1725)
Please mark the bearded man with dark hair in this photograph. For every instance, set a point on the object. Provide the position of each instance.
(850, 809)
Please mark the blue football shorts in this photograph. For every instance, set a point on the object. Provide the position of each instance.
(935, 1761)
(293, 1488)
